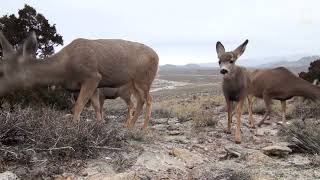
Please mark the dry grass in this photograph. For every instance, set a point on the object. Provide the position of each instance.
(197, 108)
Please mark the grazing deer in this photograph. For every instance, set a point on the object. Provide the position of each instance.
(83, 65)
(236, 84)
(280, 84)
(124, 92)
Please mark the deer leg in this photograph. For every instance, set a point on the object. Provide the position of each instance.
(86, 91)
(148, 111)
(140, 102)
(229, 108)
(267, 101)
(284, 107)
(250, 102)
(238, 129)
(96, 104)
(101, 102)
(130, 111)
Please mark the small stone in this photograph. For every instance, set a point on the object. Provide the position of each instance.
(276, 150)
(260, 132)
(174, 133)
(84, 174)
(190, 158)
(8, 175)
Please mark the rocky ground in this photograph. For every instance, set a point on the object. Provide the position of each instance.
(176, 148)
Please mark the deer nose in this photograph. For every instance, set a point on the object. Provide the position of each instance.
(223, 71)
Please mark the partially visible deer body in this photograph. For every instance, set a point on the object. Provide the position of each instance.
(83, 65)
(236, 84)
(280, 84)
(124, 92)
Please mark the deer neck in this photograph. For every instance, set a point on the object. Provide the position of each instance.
(44, 72)
(307, 90)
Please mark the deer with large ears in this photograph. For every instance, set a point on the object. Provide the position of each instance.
(236, 85)
(83, 65)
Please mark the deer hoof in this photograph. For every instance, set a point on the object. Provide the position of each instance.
(238, 141)
(227, 131)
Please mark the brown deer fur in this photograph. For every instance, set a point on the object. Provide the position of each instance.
(236, 84)
(124, 92)
(83, 65)
(280, 84)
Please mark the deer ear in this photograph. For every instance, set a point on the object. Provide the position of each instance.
(220, 48)
(7, 48)
(30, 45)
(240, 50)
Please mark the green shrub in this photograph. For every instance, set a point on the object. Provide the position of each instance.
(37, 98)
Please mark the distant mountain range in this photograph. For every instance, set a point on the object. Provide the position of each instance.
(304, 61)
(270, 62)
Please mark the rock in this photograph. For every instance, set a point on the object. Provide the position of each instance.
(260, 132)
(180, 139)
(8, 175)
(157, 161)
(257, 158)
(236, 150)
(119, 176)
(97, 167)
(276, 150)
(262, 177)
(160, 127)
(190, 158)
(298, 160)
(160, 121)
(174, 133)
(221, 109)
(173, 121)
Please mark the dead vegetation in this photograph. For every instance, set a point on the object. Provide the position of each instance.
(304, 135)
(30, 137)
(199, 109)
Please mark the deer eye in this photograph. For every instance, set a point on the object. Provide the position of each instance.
(219, 62)
(231, 62)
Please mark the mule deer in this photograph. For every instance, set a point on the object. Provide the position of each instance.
(83, 65)
(124, 92)
(236, 84)
(280, 84)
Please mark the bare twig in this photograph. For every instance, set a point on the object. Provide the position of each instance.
(108, 148)
(59, 148)
(11, 152)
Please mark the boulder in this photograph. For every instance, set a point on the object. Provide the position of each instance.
(158, 161)
(276, 150)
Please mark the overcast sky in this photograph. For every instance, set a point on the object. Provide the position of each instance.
(185, 31)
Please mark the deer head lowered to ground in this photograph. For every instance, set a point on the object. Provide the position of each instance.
(280, 84)
(236, 84)
(83, 65)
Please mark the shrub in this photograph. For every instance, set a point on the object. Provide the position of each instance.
(37, 98)
(46, 135)
(204, 119)
(313, 72)
(304, 135)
